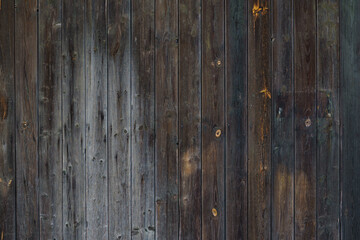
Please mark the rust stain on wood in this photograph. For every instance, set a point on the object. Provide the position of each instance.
(3, 103)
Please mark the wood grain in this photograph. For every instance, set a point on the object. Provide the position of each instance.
(143, 120)
(119, 117)
(73, 112)
(96, 119)
(190, 119)
(236, 118)
(7, 122)
(305, 118)
(350, 146)
(283, 121)
(213, 120)
(328, 204)
(50, 120)
(259, 120)
(166, 125)
(27, 187)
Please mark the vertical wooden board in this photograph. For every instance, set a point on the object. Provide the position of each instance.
(349, 63)
(73, 112)
(143, 129)
(190, 118)
(213, 122)
(259, 120)
(96, 119)
(328, 119)
(119, 119)
(7, 121)
(305, 118)
(166, 125)
(283, 118)
(27, 214)
(236, 119)
(50, 120)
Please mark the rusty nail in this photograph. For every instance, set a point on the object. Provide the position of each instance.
(218, 133)
(308, 122)
(25, 125)
(218, 63)
(214, 212)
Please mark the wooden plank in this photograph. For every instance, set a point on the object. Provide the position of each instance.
(143, 123)
(96, 119)
(166, 125)
(283, 119)
(259, 120)
(213, 122)
(190, 118)
(305, 118)
(7, 121)
(73, 111)
(236, 119)
(50, 120)
(328, 120)
(27, 210)
(349, 63)
(119, 96)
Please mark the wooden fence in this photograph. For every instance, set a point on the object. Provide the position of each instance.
(180, 119)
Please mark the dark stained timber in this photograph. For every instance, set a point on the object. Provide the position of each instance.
(283, 118)
(50, 120)
(166, 126)
(190, 119)
(259, 120)
(7, 121)
(236, 118)
(305, 118)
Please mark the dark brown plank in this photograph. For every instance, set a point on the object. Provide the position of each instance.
(236, 119)
(328, 120)
(27, 211)
(259, 120)
(73, 111)
(283, 119)
(119, 97)
(7, 121)
(96, 119)
(143, 123)
(305, 118)
(213, 122)
(350, 105)
(166, 125)
(50, 120)
(190, 118)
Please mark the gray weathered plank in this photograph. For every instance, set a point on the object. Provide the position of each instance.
(7, 121)
(236, 119)
(328, 204)
(143, 122)
(27, 211)
(119, 96)
(213, 122)
(50, 120)
(259, 120)
(73, 112)
(96, 119)
(166, 125)
(283, 119)
(190, 119)
(350, 105)
(305, 118)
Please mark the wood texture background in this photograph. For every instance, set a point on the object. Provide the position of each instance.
(179, 119)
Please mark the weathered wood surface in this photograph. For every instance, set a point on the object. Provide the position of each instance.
(305, 118)
(219, 119)
(50, 120)
(350, 104)
(283, 121)
(7, 122)
(259, 120)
